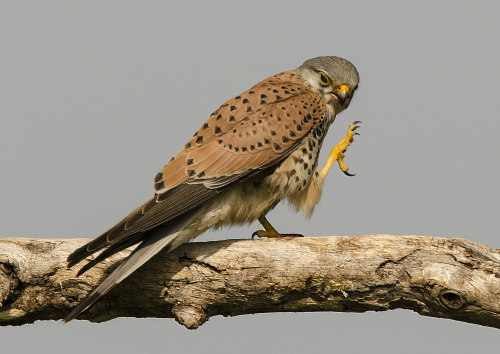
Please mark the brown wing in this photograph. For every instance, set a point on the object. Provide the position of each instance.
(247, 132)
(245, 135)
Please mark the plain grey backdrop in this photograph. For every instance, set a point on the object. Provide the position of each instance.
(96, 96)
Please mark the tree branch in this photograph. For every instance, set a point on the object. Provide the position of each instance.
(448, 278)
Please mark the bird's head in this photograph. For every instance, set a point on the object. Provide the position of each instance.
(334, 78)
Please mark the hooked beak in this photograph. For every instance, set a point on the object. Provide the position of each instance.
(341, 93)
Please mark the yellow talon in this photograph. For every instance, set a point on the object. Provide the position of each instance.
(270, 231)
(337, 153)
(268, 234)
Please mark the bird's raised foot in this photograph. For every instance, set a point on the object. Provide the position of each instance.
(337, 153)
(273, 234)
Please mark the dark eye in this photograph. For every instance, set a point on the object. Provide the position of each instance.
(324, 80)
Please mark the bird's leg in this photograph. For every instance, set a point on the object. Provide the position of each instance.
(337, 153)
(270, 231)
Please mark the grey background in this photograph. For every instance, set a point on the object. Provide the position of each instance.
(96, 96)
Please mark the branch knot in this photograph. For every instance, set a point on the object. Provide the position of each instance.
(189, 316)
(452, 299)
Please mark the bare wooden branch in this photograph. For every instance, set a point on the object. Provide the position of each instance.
(448, 278)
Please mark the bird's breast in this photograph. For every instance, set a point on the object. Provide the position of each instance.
(296, 171)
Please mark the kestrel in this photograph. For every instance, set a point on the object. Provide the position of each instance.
(255, 150)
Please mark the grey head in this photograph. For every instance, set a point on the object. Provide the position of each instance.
(334, 78)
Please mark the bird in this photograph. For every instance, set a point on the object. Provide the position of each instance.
(255, 150)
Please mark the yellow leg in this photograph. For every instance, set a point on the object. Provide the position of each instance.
(337, 153)
(270, 231)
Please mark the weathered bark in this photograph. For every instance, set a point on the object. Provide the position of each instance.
(449, 278)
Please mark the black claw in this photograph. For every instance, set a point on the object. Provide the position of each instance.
(349, 174)
(291, 235)
(357, 122)
(356, 127)
(357, 133)
(255, 234)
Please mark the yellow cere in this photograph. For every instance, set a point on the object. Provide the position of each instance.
(342, 88)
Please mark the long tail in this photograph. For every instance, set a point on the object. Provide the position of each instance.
(172, 234)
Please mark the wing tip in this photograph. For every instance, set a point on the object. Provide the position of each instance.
(82, 306)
